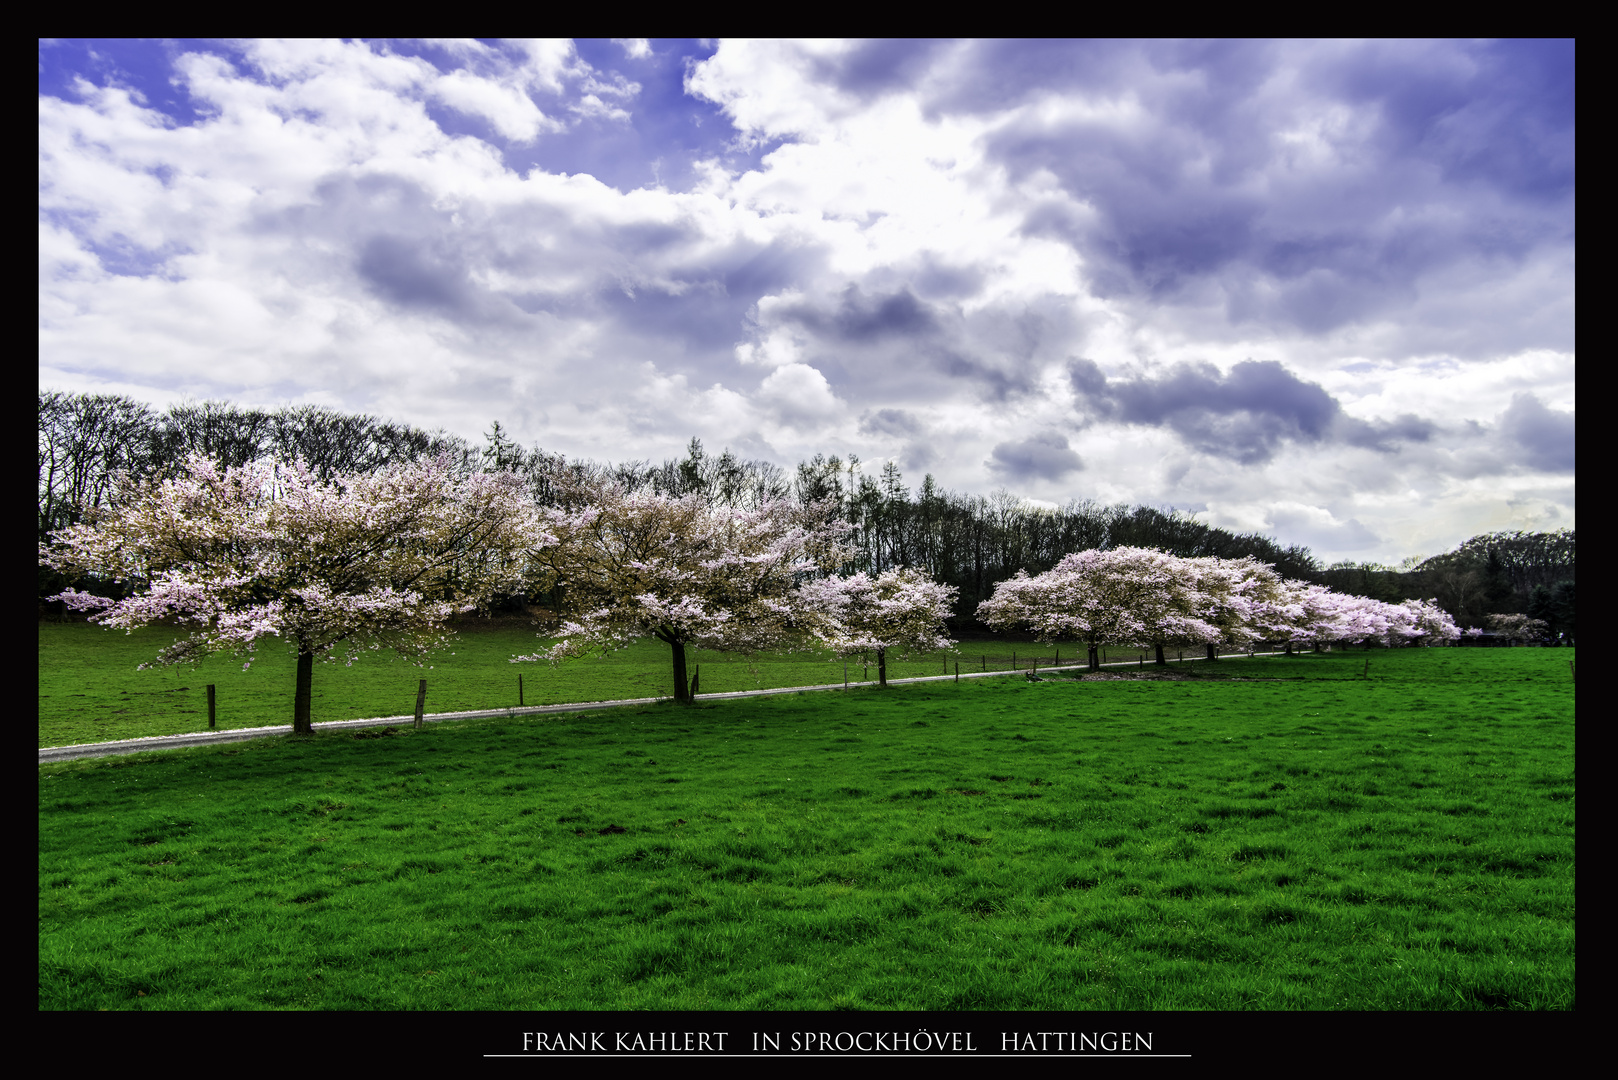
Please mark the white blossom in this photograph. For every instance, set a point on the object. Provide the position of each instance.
(330, 568)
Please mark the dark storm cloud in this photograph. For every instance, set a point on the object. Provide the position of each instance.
(1496, 113)
(889, 422)
(872, 68)
(705, 304)
(662, 279)
(995, 379)
(1445, 153)
(978, 80)
(1543, 435)
(409, 274)
(860, 318)
(940, 282)
(891, 342)
(393, 240)
(1038, 457)
(1246, 414)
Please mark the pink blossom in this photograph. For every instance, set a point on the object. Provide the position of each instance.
(330, 568)
(900, 610)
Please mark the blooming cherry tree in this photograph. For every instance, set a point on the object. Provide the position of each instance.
(1142, 598)
(901, 610)
(330, 568)
(1516, 627)
(1126, 596)
(689, 573)
(1353, 619)
(1315, 615)
(1245, 599)
(1425, 623)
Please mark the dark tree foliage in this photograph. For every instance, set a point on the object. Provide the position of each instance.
(1524, 559)
(1498, 573)
(1555, 606)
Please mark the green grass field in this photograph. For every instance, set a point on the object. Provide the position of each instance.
(90, 690)
(1287, 835)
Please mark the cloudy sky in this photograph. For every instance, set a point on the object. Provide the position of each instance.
(1323, 290)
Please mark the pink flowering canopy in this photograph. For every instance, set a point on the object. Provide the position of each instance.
(688, 572)
(901, 609)
(1124, 596)
(270, 550)
(1139, 598)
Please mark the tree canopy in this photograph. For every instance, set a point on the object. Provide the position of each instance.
(900, 609)
(329, 567)
(682, 569)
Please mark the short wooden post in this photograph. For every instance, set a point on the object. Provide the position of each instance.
(519, 691)
(957, 671)
(210, 706)
(421, 701)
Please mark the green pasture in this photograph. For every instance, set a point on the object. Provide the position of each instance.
(90, 690)
(1282, 833)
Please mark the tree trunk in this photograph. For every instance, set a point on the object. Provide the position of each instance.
(1213, 652)
(301, 724)
(682, 685)
(1094, 658)
(1158, 659)
(882, 668)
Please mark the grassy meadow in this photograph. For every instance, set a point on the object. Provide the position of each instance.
(90, 690)
(1282, 833)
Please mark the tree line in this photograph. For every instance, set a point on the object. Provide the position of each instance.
(1486, 577)
(967, 542)
(385, 559)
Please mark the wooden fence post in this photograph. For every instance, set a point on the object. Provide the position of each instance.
(519, 691)
(957, 671)
(210, 706)
(421, 701)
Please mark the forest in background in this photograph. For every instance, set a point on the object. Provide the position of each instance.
(970, 541)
